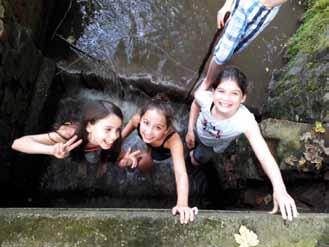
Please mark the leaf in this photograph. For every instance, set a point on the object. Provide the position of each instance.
(319, 127)
(246, 238)
(291, 160)
(306, 136)
(302, 162)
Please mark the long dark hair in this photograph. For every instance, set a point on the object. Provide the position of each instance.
(232, 73)
(161, 103)
(81, 112)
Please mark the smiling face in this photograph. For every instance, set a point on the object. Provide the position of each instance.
(227, 98)
(153, 127)
(104, 132)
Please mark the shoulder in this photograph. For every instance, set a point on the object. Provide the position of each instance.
(244, 111)
(246, 117)
(203, 97)
(173, 141)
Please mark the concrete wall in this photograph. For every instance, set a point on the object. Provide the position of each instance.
(116, 227)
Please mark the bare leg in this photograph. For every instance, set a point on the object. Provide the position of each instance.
(212, 73)
(145, 162)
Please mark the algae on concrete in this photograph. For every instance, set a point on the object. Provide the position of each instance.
(101, 227)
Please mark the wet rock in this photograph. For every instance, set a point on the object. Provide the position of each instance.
(314, 196)
(293, 140)
(2, 30)
(2, 11)
(2, 23)
(326, 176)
(286, 133)
(22, 28)
(255, 198)
(299, 92)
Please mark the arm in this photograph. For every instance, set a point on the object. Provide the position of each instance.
(182, 186)
(281, 198)
(50, 144)
(272, 3)
(34, 144)
(129, 159)
(227, 7)
(194, 113)
(131, 126)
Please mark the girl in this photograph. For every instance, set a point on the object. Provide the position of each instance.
(223, 118)
(248, 19)
(154, 126)
(83, 128)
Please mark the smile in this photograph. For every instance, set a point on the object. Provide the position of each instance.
(227, 105)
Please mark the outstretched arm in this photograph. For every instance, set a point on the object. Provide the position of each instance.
(227, 7)
(177, 153)
(194, 113)
(281, 199)
(272, 3)
(34, 144)
(50, 144)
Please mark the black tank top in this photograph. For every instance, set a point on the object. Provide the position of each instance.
(158, 153)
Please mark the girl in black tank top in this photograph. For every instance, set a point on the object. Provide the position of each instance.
(158, 153)
(154, 127)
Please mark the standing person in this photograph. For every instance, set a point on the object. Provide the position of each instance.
(83, 128)
(154, 126)
(222, 119)
(248, 19)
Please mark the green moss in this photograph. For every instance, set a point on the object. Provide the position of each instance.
(313, 35)
(312, 243)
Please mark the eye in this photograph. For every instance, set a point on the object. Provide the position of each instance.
(146, 122)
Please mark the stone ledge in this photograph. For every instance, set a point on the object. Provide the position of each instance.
(142, 227)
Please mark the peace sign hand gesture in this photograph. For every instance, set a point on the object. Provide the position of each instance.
(62, 150)
(130, 159)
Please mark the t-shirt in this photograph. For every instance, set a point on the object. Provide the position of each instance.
(216, 133)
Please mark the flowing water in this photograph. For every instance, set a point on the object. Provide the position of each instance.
(168, 39)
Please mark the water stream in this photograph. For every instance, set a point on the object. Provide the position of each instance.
(165, 40)
(168, 39)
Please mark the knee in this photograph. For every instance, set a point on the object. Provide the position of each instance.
(199, 158)
(145, 163)
(193, 160)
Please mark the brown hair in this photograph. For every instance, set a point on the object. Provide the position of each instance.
(160, 102)
(81, 112)
(234, 74)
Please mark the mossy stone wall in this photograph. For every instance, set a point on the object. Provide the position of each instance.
(102, 227)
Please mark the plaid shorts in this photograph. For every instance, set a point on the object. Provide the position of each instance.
(247, 20)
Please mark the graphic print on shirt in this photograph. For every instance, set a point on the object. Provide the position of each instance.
(211, 129)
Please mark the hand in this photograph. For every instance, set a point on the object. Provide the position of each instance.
(287, 206)
(186, 213)
(221, 16)
(62, 150)
(130, 159)
(190, 139)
